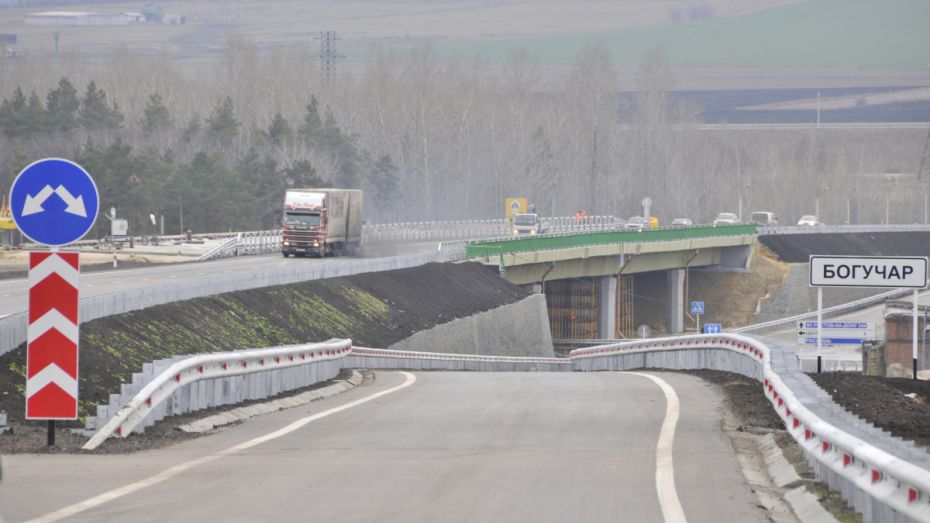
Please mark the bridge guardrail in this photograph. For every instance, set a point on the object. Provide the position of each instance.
(881, 479)
(495, 247)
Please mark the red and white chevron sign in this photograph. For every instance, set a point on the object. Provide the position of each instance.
(52, 336)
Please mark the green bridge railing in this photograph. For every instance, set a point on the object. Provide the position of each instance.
(485, 248)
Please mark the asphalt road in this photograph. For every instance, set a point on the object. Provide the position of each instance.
(14, 292)
(449, 447)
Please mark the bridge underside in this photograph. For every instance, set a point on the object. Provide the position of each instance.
(522, 273)
(590, 291)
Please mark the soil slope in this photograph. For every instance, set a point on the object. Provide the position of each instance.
(796, 248)
(374, 309)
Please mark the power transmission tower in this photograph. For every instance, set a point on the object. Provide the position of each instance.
(328, 54)
(925, 159)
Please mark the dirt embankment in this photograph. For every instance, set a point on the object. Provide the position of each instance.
(797, 248)
(898, 405)
(730, 298)
(375, 310)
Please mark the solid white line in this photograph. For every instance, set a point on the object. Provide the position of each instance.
(171, 472)
(665, 471)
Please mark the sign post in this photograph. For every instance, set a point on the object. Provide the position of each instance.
(868, 271)
(54, 202)
(697, 308)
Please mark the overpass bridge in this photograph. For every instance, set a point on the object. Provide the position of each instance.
(588, 277)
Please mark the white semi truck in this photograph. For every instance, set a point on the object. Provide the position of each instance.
(321, 222)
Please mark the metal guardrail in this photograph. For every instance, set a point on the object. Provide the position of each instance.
(485, 248)
(875, 478)
(146, 405)
(842, 229)
(884, 478)
(246, 243)
(829, 312)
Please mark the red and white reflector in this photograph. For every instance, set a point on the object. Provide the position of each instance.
(52, 336)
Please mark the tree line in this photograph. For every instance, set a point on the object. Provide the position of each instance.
(210, 191)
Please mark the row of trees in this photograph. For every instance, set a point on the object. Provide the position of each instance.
(429, 139)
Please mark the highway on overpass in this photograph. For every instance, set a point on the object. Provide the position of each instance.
(14, 292)
(520, 447)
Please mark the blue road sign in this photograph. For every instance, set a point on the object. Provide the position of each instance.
(54, 201)
(697, 307)
(712, 328)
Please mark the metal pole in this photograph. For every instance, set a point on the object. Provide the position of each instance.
(914, 335)
(923, 350)
(819, 319)
(819, 364)
(848, 216)
(51, 433)
(818, 109)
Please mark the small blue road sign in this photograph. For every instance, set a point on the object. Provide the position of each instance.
(712, 328)
(54, 201)
(697, 307)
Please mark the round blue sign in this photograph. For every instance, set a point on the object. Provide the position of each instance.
(54, 201)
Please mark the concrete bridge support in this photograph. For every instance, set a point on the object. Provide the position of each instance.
(676, 300)
(607, 307)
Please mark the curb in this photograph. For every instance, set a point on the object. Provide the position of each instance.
(805, 505)
(243, 413)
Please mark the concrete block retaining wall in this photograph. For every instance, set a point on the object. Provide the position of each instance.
(517, 329)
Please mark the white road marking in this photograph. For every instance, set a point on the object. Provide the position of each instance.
(665, 472)
(171, 472)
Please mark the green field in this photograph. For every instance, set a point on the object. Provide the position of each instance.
(841, 34)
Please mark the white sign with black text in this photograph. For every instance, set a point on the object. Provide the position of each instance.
(868, 271)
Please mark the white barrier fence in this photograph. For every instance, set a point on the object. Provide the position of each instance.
(884, 478)
(262, 242)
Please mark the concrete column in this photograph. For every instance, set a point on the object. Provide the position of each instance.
(607, 307)
(676, 300)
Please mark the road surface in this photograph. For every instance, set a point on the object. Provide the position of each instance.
(518, 447)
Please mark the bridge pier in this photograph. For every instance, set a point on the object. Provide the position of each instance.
(607, 307)
(676, 300)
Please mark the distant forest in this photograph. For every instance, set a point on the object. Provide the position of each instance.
(427, 139)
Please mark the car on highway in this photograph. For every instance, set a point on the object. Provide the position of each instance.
(809, 220)
(725, 218)
(637, 223)
(681, 222)
(764, 218)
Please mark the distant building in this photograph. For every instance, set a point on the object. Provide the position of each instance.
(77, 18)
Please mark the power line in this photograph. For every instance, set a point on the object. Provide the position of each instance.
(328, 54)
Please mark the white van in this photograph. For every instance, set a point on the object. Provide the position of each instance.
(764, 218)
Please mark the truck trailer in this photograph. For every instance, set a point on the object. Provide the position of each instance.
(321, 222)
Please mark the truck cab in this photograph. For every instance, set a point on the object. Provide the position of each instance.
(527, 223)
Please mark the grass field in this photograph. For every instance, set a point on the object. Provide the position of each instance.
(845, 34)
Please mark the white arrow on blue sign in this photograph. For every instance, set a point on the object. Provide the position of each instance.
(54, 201)
(697, 307)
(713, 328)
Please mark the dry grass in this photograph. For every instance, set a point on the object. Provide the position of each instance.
(732, 297)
